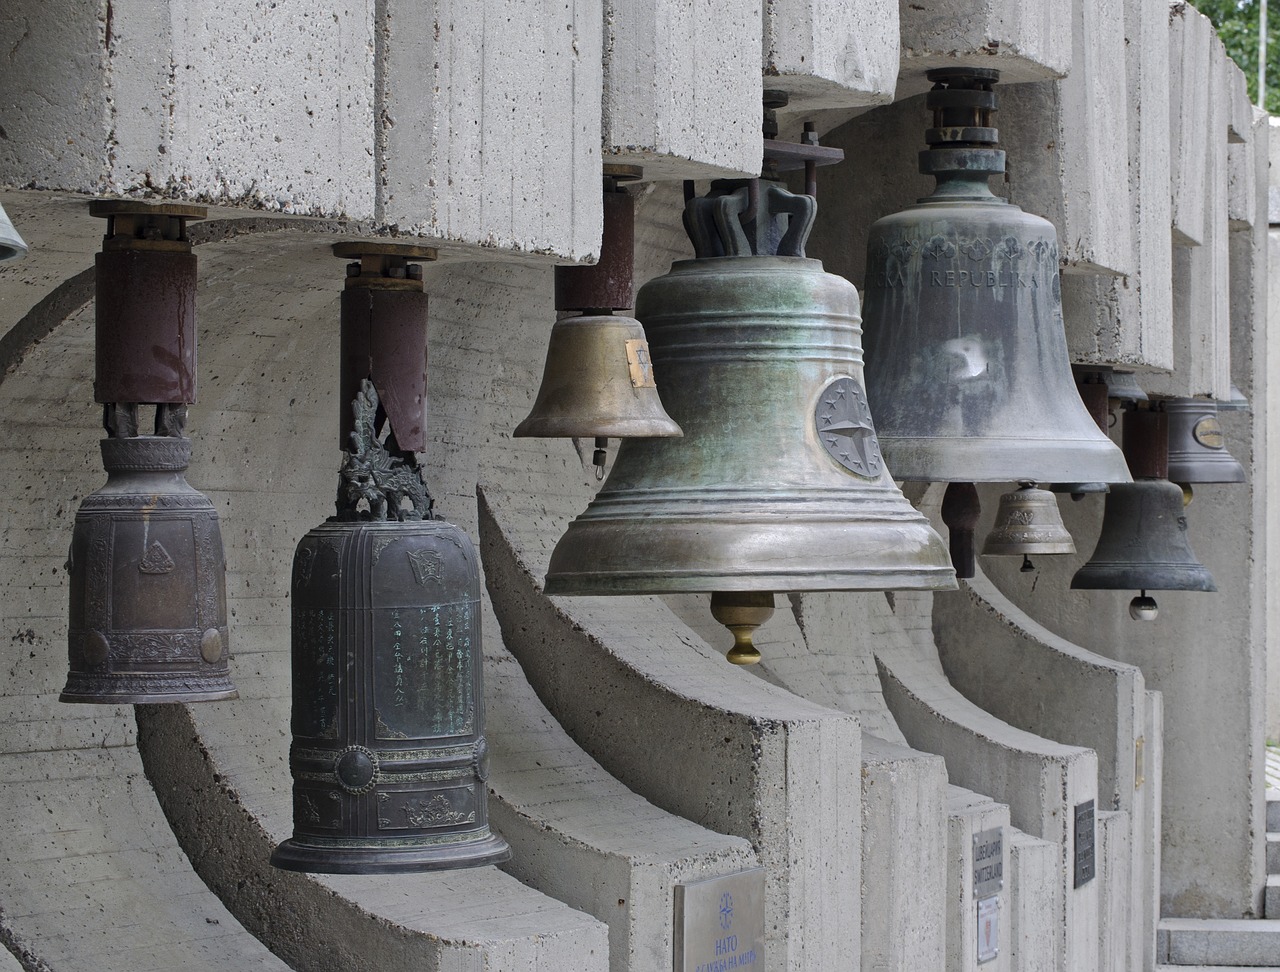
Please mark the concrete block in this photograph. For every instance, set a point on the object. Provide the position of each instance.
(969, 814)
(1128, 319)
(1271, 896)
(1219, 941)
(1035, 901)
(490, 124)
(831, 54)
(1053, 132)
(1273, 811)
(1191, 63)
(679, 97)
(1025, 41)
(1273, 853)
(1240, 121)
(1114, 892)
(1147, 836)
(904, 857)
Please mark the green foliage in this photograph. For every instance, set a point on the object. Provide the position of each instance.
(1237, 24)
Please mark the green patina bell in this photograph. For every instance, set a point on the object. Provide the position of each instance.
(778, 483)
(967, 367)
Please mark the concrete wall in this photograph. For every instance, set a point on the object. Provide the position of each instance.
(856, 763)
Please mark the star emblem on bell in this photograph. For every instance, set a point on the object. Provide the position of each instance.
(844, 428)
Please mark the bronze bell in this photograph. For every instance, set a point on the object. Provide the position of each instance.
(1028, 522)
(598, 380)
(389, 759)
(778, 483)
(1143, 544)
(1197, 448)
(148, 605)
(967, 367)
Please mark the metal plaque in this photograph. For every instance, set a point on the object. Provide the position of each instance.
(720, 923)
(640, 365)
(1084, 843)
(988, 929)
(988, 862)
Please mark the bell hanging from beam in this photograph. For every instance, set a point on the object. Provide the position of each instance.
(148, 604)
(1143, 544)
(598, 381)
(1028, 522)
(1197, 448)
(389, 759)
(1092, 382)
(778, 483)
(967, 367)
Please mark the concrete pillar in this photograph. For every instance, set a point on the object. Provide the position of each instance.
(831, 54)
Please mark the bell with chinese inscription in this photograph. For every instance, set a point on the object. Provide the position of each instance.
(388, 757)
(148, 619)
(778, 483)
(967, 367)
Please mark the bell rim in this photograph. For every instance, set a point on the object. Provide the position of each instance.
(1004, 459)
(139, 698)
(540, 428)
(316, 857)
(940, 578)
(1104, 578)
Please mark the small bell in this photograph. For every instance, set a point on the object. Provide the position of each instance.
(389, 758)
(12, 246)
(598, 381)
(148, 604)
(1197, 448)
(1028, 522)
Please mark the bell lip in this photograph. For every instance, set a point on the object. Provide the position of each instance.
(1104, 578)
(542, 428)
(297, 854)
(990, 459)
(593, 583)
(1202, 470)
(1030, 549)
(136, 698)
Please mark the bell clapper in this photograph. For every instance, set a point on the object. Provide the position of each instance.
(742, 612)
(1143, 608)
(600, 456)
(1027, 566)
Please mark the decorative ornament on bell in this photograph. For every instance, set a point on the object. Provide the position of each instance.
(148, 605)
(598, 381)
(389, 759)
(1143, 543)
(778, 483)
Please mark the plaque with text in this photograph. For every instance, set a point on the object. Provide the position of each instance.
(988, 862)
(988, 929)
(720, 923)
(1084, 843)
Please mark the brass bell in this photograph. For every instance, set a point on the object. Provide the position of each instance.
(778, 483)
(1197, 448)
(598, 380)
(1143, 544)
(389, 758)
(148, 604)
(12, 246)
(1028, 522)
(967, 367)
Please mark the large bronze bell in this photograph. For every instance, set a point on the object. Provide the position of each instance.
(967, 365)
(778, 483)
(388, 758)
(598, 381)
(1197, 448)
(1143, 544)
(148, 606)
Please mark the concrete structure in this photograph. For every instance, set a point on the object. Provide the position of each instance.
(866, 763)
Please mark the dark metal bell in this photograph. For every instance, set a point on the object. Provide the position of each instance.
(1143, 545)
(148, 619)
(1197, 449)
(778, 483)
(388, 757)
(967, 367)
(1028, 522)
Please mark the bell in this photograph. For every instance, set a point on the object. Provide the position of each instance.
(1236, 400)
(389, 758)
(1143, 544)
(967, 367)
(148, 619)
(1197, 449)
(1028, 522)
(148, 605)
(598, 381)
(1091, 382)
(12, 246)
(1122, 386)
(778, 483)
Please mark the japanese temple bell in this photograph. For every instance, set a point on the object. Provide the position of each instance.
(389, 759)
(967, 366)
(148, 607)
(598, 382)
(778, 483)
(1143, 543)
